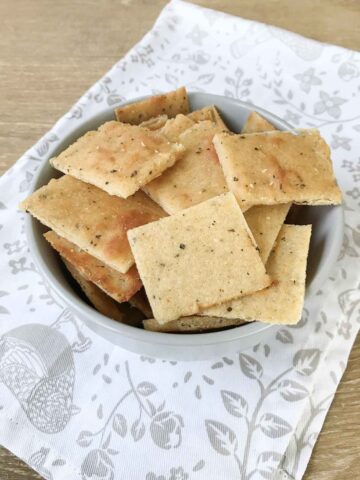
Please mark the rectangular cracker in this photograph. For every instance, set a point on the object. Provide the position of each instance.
(196, 177)
(256, 123)
(141, 302)
(199, 257)
(282, 302)
(208, 113)
(278, 167)
(194, 324)
(265, 222)
(118, 157)
(170, 104)
(120, 286)
(155, 123)
(97, 297)
(91, 218)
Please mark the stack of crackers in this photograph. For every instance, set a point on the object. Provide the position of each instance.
(168, 211)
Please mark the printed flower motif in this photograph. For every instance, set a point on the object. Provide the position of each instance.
(353, 168)
(165, 430)
(292, 117)
(308, 79)
(348, 164)
(328, 104)
(97, 465)
(197, 35)
(354, 193)
(14, 247)
(348, 70)
(17, 265)
(344, 329)
(341, 142)
(178, 474)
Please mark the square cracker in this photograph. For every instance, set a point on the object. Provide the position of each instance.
(196, 177)
(191, 324)
(208, 113)
(97, 297)
(120, 286)
(170, 103)
(91, 218)
(256, 123)
(265, 222)
(199, 257)
(282, 302)
(278, 167)
(119, 158)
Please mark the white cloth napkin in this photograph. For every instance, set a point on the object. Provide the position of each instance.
(73, 405)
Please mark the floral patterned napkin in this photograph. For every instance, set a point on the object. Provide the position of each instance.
(73, 405)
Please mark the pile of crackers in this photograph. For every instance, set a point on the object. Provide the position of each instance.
(168, 211)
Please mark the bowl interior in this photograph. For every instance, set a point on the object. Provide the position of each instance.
(324, 248)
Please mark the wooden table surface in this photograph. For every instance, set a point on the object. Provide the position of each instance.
(51, 52)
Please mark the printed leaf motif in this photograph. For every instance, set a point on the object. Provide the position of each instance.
(119, 424)
(221, 437)
(284, 336)
(274, 426)
(234, 403)
(146, 388)
(199, 466)
(267, 464)
(228, 93)
(152, 407)
(85, 438)
(3, 293)
(206, 78)
(2, 206)
(292, 391)
(137, 430)
(38, 458)
(306, 361)
(230, 81)
(107, 442)
(111, 451)
(114, 98)
(171, 79)
(250, 367)
(3, 310)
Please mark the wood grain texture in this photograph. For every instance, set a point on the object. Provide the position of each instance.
(51, 52)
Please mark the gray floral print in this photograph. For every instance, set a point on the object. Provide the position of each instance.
(328, 104)
(308, 79)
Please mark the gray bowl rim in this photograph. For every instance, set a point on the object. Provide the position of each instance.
(75, 303)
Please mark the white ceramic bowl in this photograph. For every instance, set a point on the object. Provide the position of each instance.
(325, 245)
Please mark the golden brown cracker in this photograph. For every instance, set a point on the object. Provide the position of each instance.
(91, 218)
(170, 103)
(118, 158)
